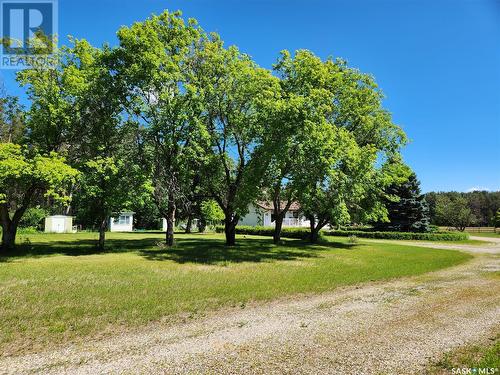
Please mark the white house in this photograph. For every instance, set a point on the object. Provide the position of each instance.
(59, 224)
(123, 222)
(261, 214)
(194, 223)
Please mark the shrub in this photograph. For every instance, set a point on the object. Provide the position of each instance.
(436, 236)
(300, 233)
(27, 230)
(33, 217)
(303, 233)
(433, 229)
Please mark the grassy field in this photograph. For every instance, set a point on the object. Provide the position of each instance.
(481, 356)
(460, 242)
(485, 234)
(57, 289)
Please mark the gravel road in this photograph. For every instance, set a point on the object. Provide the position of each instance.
(393, 327)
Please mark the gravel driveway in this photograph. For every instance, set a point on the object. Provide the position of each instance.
(375, 328)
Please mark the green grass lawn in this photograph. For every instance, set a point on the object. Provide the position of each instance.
(57, 289)
(481, 356)
(460, 242)
(485, 234)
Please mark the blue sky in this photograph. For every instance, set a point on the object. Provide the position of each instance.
(438, 63)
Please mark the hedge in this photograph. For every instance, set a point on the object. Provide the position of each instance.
(430, 236)
(303, 233)
(300, 233)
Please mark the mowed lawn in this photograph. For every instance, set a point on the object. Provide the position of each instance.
(485, 234)
(56, 289)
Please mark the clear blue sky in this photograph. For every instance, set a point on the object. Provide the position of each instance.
(437, 61)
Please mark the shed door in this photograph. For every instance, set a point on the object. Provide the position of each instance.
(58, 224)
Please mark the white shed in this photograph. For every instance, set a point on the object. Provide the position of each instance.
(122, 222)
(59, 224)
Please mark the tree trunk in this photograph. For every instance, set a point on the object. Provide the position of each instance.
(313, 235)
(202, 225)
(102, 234)
(169, 236)
(278, 224)
(230, 229)
(279, 213)
(189, 224)
(9, 231)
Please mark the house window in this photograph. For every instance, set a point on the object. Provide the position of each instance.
(295, 215)
(124, 220)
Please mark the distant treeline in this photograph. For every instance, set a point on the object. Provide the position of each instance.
(483, 204)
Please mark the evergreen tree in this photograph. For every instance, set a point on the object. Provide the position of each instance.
(409, 212)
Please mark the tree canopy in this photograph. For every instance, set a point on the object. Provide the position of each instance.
(25, 175)
(172, 115)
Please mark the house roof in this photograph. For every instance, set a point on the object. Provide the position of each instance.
(266, 205)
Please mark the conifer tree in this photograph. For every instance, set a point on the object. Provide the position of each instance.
(407, 209)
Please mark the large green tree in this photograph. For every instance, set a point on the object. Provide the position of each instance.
(234, 91)
(76, 108)
(340, 146)
(25, 175)
(454, 211)
(103, 142)
(156, 62)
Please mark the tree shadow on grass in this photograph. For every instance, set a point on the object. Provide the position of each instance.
(186, 250)
(76, 247)
(214, 251)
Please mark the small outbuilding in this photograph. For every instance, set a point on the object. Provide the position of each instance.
(122, 222)
(59, 224)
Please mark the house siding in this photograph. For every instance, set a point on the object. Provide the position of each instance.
(258, 216)
(253, 218)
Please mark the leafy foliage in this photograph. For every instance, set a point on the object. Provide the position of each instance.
(211, 212)
(22, 171)
(235, 93)
(483, 204)
(174, 113)
(454, 212)
(33, 217)
(25, 175)
(336, 135)
(154, 62)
